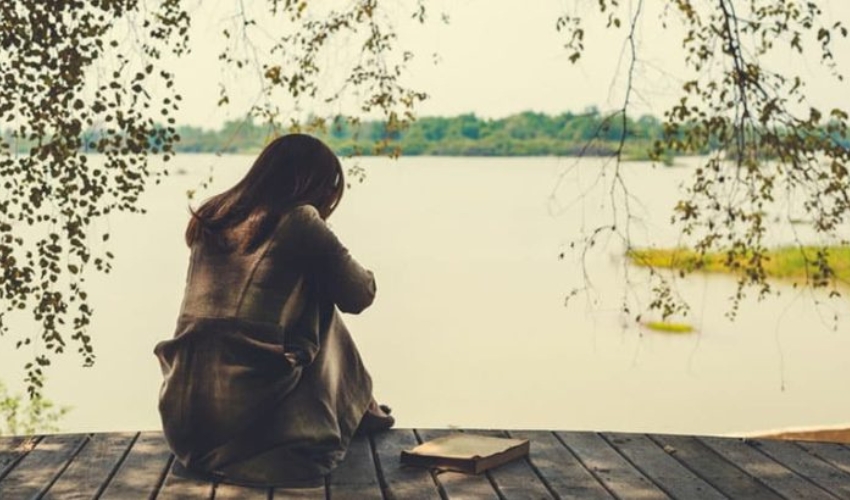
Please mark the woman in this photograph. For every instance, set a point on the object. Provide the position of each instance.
(263, 383)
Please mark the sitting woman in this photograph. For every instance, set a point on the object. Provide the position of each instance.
(263, 383)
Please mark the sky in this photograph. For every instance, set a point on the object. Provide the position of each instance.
(498, 57)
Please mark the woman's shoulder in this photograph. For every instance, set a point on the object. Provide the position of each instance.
(300, 220)
(303, 217)
(308, 212)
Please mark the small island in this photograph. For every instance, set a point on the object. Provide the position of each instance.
(794, 264)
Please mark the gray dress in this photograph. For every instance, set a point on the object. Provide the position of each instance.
(231, 404)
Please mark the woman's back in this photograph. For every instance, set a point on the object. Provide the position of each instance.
(261, 372)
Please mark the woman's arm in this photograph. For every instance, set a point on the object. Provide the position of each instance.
(340, 278)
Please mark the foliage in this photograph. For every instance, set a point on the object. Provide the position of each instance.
(35, 415)
(48, 53)
(787, 263)
(81, 77)
(768, 144)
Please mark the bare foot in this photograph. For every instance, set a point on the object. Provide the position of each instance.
(376, 419)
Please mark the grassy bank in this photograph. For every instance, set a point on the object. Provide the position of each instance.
(794, 264)
(668, 327)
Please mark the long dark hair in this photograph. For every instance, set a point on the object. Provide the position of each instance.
(294, 169)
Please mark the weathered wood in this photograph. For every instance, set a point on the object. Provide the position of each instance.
(143, 469)
(234, 492)
(12, 449)
(35, 473)
(92, 467)
(658, 465)
(515, 479)
(561, 464)
(457, 484)
(560, 469)
(834, 453)
(807, 465)
(615, 472)
(714, 469)
(318, 493)
(773, 474)
(400, 482)
(181, 484)
(356, 478)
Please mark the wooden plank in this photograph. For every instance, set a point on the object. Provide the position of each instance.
(836, 455)
(714, 469)
(356, 478)
(664, 470)
(142, 471)
(615, 472)
(36, 471)
(807, 464)
(563, 464)
(92, 467)
(768, 471)
(181, 484)
(457, 484)
(400, 482)
(319, 493)
(12, 449)
(234, 492)
(515, 479)
(560, 469)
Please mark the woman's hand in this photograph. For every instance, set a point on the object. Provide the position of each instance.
(292, 358)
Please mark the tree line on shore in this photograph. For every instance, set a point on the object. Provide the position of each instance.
(590, 133)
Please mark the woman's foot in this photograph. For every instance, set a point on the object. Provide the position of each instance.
(377, 418)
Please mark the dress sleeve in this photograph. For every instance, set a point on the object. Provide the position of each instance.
(337, 275)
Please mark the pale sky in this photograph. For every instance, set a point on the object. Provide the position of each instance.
(498, 57)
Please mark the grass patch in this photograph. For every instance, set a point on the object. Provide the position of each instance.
(668, 327)
(789, 263)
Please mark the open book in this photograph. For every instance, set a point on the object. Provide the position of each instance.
(463, 452)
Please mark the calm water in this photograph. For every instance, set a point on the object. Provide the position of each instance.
(470, 327)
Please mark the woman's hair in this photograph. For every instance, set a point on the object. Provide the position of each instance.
(294, 169)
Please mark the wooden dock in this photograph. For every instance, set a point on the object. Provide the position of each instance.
(580, 465)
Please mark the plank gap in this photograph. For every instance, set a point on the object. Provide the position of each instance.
(583, 464)
(824, 451)
(685, 464)
(14, 463)
(740, 468)
(825, 473)
(805, 477)
(494, 485)
(328, 487)
(379, 470)
(82, 444)
(162, 476)
(537, 472)
(643, 472)
(431, 471)
(116, 467)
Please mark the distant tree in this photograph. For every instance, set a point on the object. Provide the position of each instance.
(467, 126)
(435, 128)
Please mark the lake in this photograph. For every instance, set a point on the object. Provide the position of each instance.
(470, 326)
